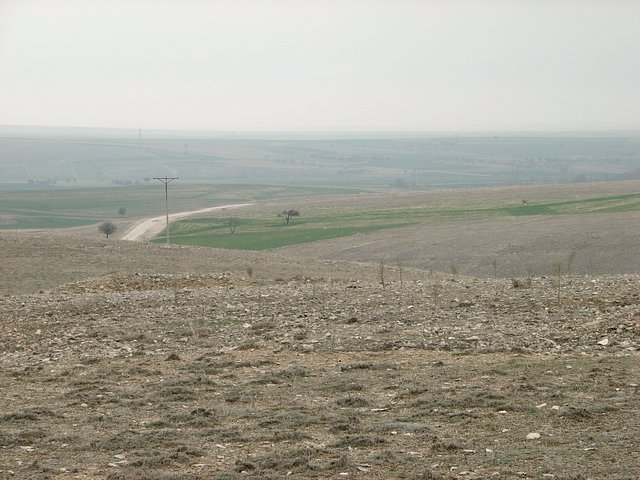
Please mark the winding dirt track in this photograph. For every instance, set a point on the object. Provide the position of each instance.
(151, 227)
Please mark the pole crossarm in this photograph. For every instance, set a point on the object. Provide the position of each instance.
(166, 181)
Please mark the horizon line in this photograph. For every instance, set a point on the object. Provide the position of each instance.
(335, 131)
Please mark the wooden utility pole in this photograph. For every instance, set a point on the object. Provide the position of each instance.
(166, 181)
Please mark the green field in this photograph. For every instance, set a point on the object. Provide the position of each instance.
(252, 234)
(56, 178)
(268, 232)
(70, 207)
(609, 204)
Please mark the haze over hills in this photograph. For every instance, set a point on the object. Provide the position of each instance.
(87, 157)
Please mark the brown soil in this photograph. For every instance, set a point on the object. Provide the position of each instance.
(603, 244)
(124, 360)
(503, 247)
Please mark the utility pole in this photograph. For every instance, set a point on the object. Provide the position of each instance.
(166, 181)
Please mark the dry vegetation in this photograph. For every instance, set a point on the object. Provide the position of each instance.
(185, 363)
(341, 378)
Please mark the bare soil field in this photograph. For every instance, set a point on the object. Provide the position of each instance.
(126, 360)
(503, 247)
(506, 247)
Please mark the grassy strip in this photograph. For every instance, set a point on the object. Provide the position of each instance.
(610, 204)
(267, 233)
(253, 234)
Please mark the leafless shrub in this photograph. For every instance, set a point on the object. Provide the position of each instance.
(352, 441)
(570, 260)
(446, 446)
(400, 272)
(347, 386)
(179, 294)
(248, 344)
(264, 325)
(428, 474)
(381, 272)
(519, 283)
(193, 332)
(559, 272)
(352, 402)
(233, 224)
(435, 292)
(453, 268)
(300, 335)
(342, 463)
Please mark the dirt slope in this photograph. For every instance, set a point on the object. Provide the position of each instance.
(218, 375)
(132, 361)
(34, 261)
(604, 244)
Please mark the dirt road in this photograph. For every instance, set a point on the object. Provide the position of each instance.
(151, 227)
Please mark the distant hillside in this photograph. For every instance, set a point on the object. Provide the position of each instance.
(80, 157)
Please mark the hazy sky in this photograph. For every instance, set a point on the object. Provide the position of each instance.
(321, 64)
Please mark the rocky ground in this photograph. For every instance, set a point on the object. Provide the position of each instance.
(224, 365)
(441, 312)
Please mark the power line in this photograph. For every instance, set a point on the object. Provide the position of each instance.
(166, 181)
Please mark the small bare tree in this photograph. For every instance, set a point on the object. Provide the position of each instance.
(435, 293)
(233, 224)
(570, 260)
(122, 211)
(381, 272)
(453, 267)
(559, 271)
(288, 215)
(107, 228)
